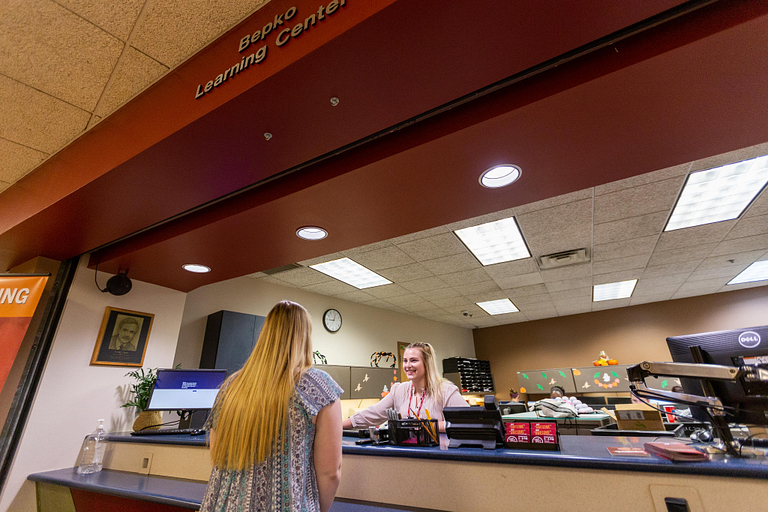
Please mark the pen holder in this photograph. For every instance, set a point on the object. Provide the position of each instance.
(413, 432)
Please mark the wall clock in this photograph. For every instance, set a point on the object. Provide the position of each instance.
(332, 320)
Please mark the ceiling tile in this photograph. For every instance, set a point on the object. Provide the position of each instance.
(172, 30)
(632, 202)
(332, 287)
(377, 303)
(711, 273)
(629, 228)
(486, 296)
(572, 294)
(560, 228)
(704, 285)
(608, 266)
(555, 201)
(93, 122)
(467, 277)
(645, 299)
(563, 274)
(610, 304)
(738, 245)
(540, 314)
(450, 302)
(442, 293)
(644, 179)
(694, 253)
(528, 300)
(433, 247)
(450, 264)
(61, 54)
(659, 285)
(4, 185)
(470, 307)
(134, 72)
(697, 235)
(302, 277)
(569, 284)
(37, 120)
(636, 247)
(386, 291)
(406, 273)
(420, 234)
(475, 288)
(754, 284)
(379, 259)
(509, 318)
(422, 308)
(744, 258)
(114, 16)
(424, 284)
(512, 268)
(433, 313)
(759, 206)
(402, 300)
(671, 268)
(531, 279)
(526, 291)
(356, 296)
(617, 277)
(730, 157)
(573, 308)
(547, 305)
(383, 244)
(17, 160)
(748, 226)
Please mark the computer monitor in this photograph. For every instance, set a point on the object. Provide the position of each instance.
(185, 390)
(736, 347)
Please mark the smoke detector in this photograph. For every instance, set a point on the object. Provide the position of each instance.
(563, 259)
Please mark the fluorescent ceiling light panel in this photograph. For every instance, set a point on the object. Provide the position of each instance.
(498, 307)
(494, 242)
(346, 270)
(758, 271)
(719, 194)
(611, 291)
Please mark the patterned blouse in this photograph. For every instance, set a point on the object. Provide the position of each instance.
(286, 481)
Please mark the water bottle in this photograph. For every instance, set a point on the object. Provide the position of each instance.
(92, 452)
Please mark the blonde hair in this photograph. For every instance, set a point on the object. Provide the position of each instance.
(433, 382)
(253, 415)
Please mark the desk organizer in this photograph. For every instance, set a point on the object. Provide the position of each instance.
(412, 432)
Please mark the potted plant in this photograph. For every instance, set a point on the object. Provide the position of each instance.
(140, 391)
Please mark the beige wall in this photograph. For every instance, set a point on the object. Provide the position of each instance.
(364, 329)
(630, 335)
(72, 394)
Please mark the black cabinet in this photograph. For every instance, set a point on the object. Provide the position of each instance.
(229, 339)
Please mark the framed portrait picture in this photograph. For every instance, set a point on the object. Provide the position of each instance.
(122, 338)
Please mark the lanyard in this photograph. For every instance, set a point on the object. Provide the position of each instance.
(413, 393)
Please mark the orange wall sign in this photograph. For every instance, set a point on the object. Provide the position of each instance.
(18, 300)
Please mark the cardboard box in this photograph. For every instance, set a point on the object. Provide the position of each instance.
(638, 417)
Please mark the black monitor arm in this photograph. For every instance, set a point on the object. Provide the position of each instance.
(747, 375)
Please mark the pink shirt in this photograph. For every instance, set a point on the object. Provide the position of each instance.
(398, 399)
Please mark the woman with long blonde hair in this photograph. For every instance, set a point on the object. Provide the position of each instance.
(425, 391)
(275, 428)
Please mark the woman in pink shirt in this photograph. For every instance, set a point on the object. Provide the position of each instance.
(425, 391)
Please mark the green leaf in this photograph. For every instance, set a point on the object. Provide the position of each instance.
(664, 383)
(615, 374)
(597, 375)
(543, 375)
(524, 376)
(562, 374)
(540, 387)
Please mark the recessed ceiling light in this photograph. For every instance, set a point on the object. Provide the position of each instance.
(611, 291)
(758, 271)
(719, 194)
(346, 270)
(494, 242)
(197, 269)
(311, 233)
(498, 307)
(500, 176)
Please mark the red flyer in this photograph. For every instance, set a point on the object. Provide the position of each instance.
(544, 432)
(518, 433)
(628, 451)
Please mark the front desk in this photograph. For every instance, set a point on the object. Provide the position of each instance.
(168, 473)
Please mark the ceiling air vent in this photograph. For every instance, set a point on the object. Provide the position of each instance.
(277, 270)
(563, 259)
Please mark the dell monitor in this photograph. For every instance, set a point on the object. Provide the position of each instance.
(744, 403)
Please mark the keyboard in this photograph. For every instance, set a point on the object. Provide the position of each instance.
(170, 431)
